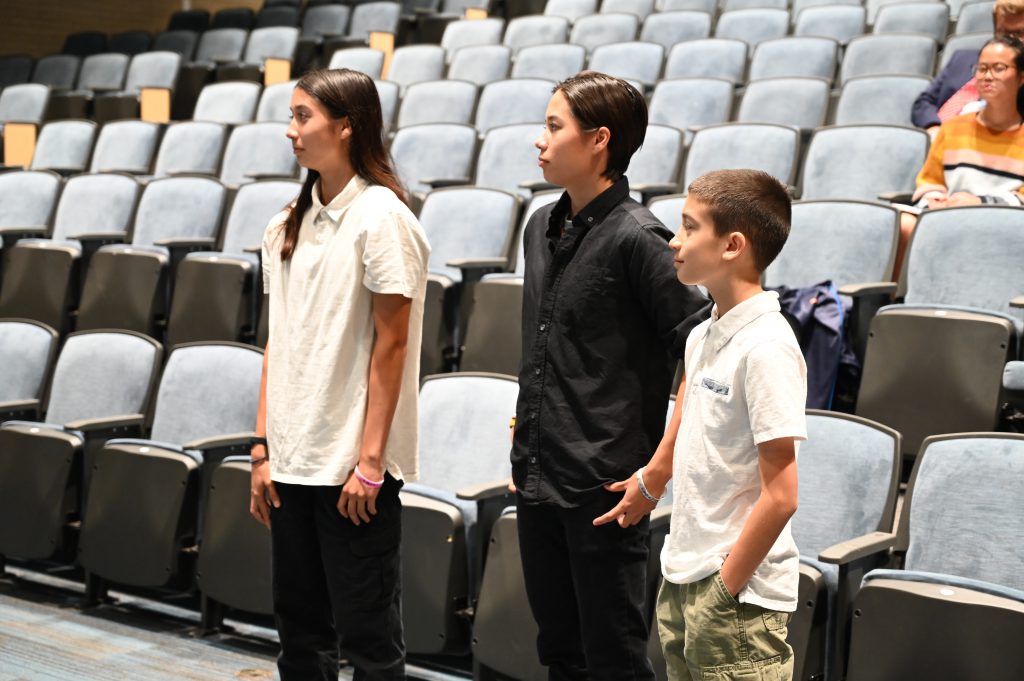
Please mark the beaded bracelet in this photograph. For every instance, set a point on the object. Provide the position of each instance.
(366, 481)
(643, 488)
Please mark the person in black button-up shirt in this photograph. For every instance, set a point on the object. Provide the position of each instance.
(604, 321)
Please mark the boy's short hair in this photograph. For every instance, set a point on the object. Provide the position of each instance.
(751, 202)
(1008, 8)
(599, 100)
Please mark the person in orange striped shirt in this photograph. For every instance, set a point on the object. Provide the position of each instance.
(978, 157)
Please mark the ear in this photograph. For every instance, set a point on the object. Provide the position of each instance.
(735, 246)
(344, 129)
(601, 139)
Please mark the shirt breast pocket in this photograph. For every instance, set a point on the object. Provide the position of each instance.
(717, 400)
(588, 298)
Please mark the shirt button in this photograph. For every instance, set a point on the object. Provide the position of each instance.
(533, 459)
(543, 326)
(590, 219)
(536, 372)
(533, 415)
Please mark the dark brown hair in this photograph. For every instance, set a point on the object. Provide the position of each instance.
(344, 92)
(751, 202)
(598, 100)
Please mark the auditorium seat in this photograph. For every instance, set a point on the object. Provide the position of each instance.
(570, 9)
(707, 6)
(258, 151)
(753, 26)
(935, 363)
(520, 100)
(875, 159)
(416, 63)
(481, 64)
(470, 32)
(365, 59)
(15, 69)
(975, 17)
(41, 275)
(126, 285)
(800, 5)
(555, 62)
(59, 71)
(438, 101)
(277, 16)
(668, 208)
(708, 58)
(926, 18)
(797, 102)
(878, 100)
(217, 292)
(190, 147)
(27, 202)
(125, 146)
(842, 23)
(100, 73)
(146, 497)
(654, 168)
(221, 46)
(425, 154)
(669, 28)
(795, 57)
(535, 30)
(273, 43)
(957, 605)
(634, 61)
(508, 160)
(638, 8)
(319, 24)
(23, 103)
(150, 70)
(131, 42)
(965, 41)
(603, 29)
(275, 103)
(182, 42)
(101, 388)
(196, 20)
(388, 94)
(241, 18)
(771, 148)
(85, 43)
(882, 55)
(27, 351)
(373, 17)
(463, 440)
(229, 103)
(64, 146)
(690, 103)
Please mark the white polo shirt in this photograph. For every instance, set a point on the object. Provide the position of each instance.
(321, 332)
(746, 383)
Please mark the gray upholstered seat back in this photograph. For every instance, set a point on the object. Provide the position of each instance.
(15, 69)
(879, 100)
(708, 58)
(257, 148)
(388, 94)
(846, 478)
(771, 148)
(222, 44)
(415, 64)
(847, 242)
(508, 157)
(255, 204)
(181, 42)
(276, 102)
(153, 69)
(877, 55)
(95, 204)
(232, 103)
(102, 374)
(374, 16)
(801, 102)
(25, 352)
(103, 71)
(550, 62)
(753, 26)
(465, 223)
(602, 29)
(464, 429)
(58, 71)
(433, 152)
(687, 102)
(481, 64)
(974, 17)
(707, 6)
(929, 18)
(965, 510)
(275, 41)
(671, 28)
(659, 157)
(967, 41)
(207, 390)
(437, 101)
(64, 144)
(570, 9)
(520, 100)
(178, 208)
(536, 202)
(325, 20)
(27, 198)
(536, 30)
(640, 8)
(968, 257)
(191, 146)
(470, 32)
(841, 22)
(865, 172)
(126, 146)
(795, 56)
(370, 62)
(24, 103)
(632, 60)
(668, 209)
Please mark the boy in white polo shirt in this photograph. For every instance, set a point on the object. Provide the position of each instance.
(730, 564)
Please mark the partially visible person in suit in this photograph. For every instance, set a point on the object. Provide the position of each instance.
(953, 92)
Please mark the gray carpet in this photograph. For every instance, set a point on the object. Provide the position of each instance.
(45, 637)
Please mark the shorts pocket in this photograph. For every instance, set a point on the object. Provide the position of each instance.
(774, 620)
(731, 672)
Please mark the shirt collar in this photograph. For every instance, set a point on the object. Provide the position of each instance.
(722, 329)
(592, 214)
(334, 210)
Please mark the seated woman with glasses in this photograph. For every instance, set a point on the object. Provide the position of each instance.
(978, 157)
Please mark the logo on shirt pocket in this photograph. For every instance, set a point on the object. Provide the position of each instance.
(714, 386)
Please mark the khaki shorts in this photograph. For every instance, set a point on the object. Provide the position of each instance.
(708, 636)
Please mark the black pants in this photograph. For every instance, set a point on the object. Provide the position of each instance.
(337, 587)
(587, 590)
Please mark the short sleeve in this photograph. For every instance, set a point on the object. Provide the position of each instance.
(395, 253)
(776, 390)
(271, 246)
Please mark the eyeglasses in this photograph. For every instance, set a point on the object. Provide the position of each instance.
(997, 70)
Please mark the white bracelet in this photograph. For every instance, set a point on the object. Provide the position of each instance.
(643, 488)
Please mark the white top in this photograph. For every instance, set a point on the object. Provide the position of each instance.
(321, 332)
(746, 383)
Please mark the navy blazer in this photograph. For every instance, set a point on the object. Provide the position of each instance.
(956, 74)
